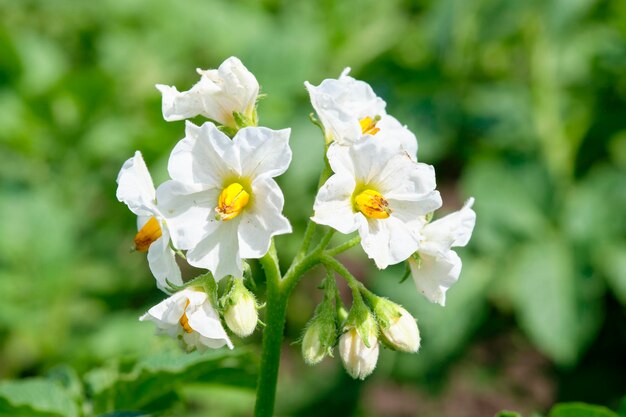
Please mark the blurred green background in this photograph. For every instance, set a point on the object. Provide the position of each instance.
(519, 103)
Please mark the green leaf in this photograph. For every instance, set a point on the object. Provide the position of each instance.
(155, 378)
(611, 260)
(35, 397)
(543, 292)
(580, 410)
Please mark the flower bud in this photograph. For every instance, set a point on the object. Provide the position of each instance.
(358, 348)
(319, 339)
(240, 309)
(398, 327)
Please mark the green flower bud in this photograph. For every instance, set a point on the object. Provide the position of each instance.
(240, 309)
(319, 339)
(398, 327)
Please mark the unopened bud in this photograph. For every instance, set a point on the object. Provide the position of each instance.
(240, 310)
(398, 327)
(319, 339)
(358, 348)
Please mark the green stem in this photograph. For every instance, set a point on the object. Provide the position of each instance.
(276, 307)
(344, 246)
(278, 292)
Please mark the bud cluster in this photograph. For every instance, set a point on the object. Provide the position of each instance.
(372, 320)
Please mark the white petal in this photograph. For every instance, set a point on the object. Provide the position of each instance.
(392, 130)
(187, 208)
(168, 312)
(416, 182)
(387, 241)
(374, 160)
(262, 220)
(340, 159)
(205, 320)
(135, 187)
(333, 204)
(434, 275)
(218, 251)
(263, 151)
(162, 262)
(204, 156)
(455, 229)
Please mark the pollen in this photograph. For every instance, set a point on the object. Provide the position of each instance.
(231, 202)
(184, 320)
(149, 233)
(372, 204)
(368, 125)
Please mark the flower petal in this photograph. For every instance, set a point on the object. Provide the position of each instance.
(135, 187)
(204, 156)
(262, 220)
(263, 151)
(186, 208)
(434, 275)
(168, 312)
(455, 229)
(162, 262)
(218, 251)
(206, 322)
(333, 204)
(387, 241)
(392, 130)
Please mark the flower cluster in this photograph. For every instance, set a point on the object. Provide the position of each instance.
(380, 190)
(222, 207)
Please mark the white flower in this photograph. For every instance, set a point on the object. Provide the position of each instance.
(223, 204)
(438, 267)
(136, 190)
(380, 192)
(358, 359)
(349, 109)
(219, 93)
(189, 316)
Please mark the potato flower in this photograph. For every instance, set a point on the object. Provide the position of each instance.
(136, 190)
(222, 202)
(349, 109)
(219, 93)
(436, 267)
(189, 316)
(379, 191)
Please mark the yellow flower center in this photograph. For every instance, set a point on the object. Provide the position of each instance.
(368, 125)
(372, 204)
(184, 320)
(231, 202)
(149, 233)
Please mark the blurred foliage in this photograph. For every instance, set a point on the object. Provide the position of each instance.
(518, 103)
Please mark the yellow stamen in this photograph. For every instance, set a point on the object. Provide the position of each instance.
(150, 232)
(372, 204)
(184, 320)
(368, 125)
(231, 201)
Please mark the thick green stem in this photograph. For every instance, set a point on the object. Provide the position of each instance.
(276, 306)
(278, 292)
